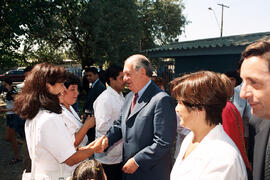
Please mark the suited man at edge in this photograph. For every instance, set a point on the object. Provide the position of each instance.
(96, 89)
(255, 72)
(148, 131)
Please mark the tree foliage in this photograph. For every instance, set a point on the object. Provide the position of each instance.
(162, 21)
(11, 17)
(90, 31)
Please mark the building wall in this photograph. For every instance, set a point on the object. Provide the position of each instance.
(217, 63)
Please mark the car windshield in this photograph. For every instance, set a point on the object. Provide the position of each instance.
(14, 72)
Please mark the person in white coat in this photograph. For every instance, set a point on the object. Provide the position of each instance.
(207, 152)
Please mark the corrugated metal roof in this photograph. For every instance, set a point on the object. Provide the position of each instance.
(237, 40)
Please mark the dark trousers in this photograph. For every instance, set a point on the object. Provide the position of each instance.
(113, 171)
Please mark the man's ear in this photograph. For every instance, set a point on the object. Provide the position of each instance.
(142, 71)
(110, 79)
(97, 76)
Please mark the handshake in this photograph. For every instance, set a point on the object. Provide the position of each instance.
(99, 144)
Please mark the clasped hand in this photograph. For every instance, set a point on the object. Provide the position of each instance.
(99, 145)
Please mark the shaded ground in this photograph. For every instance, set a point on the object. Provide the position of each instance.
(8, 172)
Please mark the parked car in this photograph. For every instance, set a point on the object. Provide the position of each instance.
(13, 75)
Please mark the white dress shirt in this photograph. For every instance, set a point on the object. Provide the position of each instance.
(107, 109)
(215, 158)
(73, 123)
(140, 93)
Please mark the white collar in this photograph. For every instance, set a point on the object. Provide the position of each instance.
(114, 92)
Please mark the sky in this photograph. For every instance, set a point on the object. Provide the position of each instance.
(242, 17)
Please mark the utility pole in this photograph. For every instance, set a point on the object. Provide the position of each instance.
(221, 24)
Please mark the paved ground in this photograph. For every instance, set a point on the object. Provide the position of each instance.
(8, 172)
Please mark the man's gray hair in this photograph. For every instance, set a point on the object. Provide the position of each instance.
(143, 62)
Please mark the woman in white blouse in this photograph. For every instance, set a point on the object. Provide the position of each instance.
(50, 144)
(73, 122)
(207, 152)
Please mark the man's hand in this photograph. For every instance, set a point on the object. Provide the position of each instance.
(130, 167)
(100, 144)
(105, 142)
(95, 145)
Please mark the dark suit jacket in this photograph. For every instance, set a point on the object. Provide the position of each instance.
(148, 133)
(92, 95)
(262, 128)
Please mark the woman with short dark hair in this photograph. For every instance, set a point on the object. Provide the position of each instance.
(72, 120)
(207, 152)
(50, 145)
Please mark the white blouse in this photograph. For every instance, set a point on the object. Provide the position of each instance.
(53, 143)
(73, 123)
(215, 158)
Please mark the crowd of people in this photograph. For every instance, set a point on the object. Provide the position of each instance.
(217, 126)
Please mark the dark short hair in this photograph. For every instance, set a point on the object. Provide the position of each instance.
(91, 169)
(258, 48)
(202, 90)
(158, 80)
(35, 95)
(112, 72)
(92, 69)
(72, 79)
(234, 74)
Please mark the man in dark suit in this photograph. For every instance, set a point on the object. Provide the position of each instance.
(147, 125)
(255, 72)
(96, 89)
(258, 139)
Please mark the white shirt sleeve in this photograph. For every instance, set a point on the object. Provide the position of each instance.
(103, 114)
(56, 138)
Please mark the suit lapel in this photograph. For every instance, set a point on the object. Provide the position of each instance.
(97, 85)
(137, 107)
(126, 108)
(144, 100)
(261, 140)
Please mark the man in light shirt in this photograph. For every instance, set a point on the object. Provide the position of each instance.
(107, 109)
